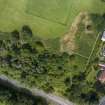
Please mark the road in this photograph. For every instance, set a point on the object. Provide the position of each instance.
(5, 81)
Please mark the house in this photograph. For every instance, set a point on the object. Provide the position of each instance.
(103, 37)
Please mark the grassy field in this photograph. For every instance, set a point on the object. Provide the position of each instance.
(84, 42)
(56, 10)
(44, 21)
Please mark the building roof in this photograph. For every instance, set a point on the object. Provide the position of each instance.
(103, 36)
(102, 65)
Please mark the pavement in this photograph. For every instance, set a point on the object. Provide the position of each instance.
(12, 84)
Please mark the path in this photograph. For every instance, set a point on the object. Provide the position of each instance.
(12, 84)
(68, 40)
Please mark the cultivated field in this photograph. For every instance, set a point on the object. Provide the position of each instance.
(48, 18)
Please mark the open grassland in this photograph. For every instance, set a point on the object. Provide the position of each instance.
(84, 42)
(13, 16)
(56, 10)
(44, 17)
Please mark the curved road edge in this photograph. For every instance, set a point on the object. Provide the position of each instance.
(5, 81)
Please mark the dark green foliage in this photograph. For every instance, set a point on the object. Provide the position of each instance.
(15, 35)
(103, 0)
(26, 30)
(28, 60)
(98, 22)
(11, 97)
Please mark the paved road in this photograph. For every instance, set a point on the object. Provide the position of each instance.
(56, 99)
(33, 92)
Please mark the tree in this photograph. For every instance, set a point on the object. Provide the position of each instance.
(26, 30)
(15, 34)
(103, 0)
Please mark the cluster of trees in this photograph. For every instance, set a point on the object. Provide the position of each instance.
(17, 51)
(11, 97)
(23, 52)
(103, 0)
(82, 92)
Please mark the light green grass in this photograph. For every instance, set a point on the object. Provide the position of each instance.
(13, 14)
(54, 10)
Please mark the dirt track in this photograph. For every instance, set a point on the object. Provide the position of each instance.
(68, 40)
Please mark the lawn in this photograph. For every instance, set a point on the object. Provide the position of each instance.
(14, 14)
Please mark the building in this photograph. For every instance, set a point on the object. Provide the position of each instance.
(103, 37)
(102, 65)
(101, 76)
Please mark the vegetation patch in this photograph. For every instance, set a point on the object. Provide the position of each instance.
(29, 61)
(14, 14)
(11, 97)
(85, 41)
(81, 37)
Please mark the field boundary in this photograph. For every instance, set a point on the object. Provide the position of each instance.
(65, 23)
(89, 58)
(81, 55)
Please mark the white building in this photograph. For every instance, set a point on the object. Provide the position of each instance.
(103, 37)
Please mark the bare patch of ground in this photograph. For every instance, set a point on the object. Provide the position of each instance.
(67, 42)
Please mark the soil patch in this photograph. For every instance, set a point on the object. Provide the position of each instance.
(67, 42)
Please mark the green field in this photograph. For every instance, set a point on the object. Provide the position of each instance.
(55, 10)
(34, 59)
(44, 17)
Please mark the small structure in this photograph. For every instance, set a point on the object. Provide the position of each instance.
(103, 51)
(101, 77)
(102, 65)
(103, 36)
(101, 74)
